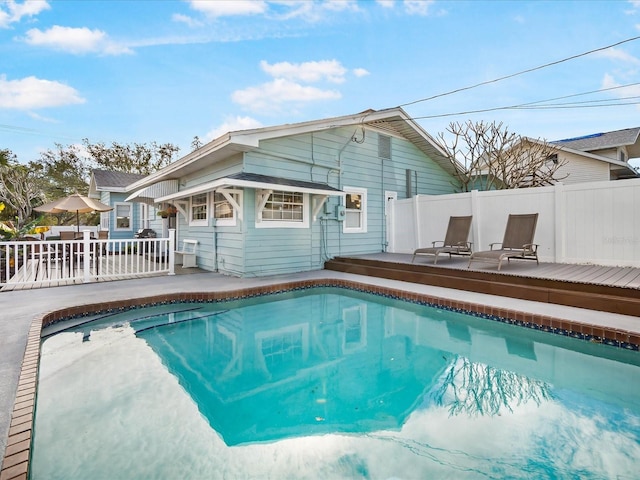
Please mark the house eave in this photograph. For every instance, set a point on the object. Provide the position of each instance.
(247, 140)
(230, 182)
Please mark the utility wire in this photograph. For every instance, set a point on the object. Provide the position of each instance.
(534, 105)
(520, 73)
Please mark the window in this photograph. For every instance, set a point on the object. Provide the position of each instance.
(622, 156)
(282, 209)
(553, 159)
(123, 216)
(199, 210)
(356, 210)
(223, 210)
(287, 206)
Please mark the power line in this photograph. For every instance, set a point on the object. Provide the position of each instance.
(534, 105)
(520, 73)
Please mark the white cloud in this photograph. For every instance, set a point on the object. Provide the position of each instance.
(192, 22)
(341, 5)
(41, 118)
(617, 54)
(216, 9)
(12, 11)
(232, 124)
(386, 3)
(610, 82)
(360, 72)
(75, 40)
(269, 96)
(330, 70)
(418, 7)
(33, 93)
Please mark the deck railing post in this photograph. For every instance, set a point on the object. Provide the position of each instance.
(86, 255)
(172, 250)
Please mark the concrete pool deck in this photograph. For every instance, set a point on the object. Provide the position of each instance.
(18, 309)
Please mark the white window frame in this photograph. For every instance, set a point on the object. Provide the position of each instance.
(262, 198)
(145, 211)
(105, 220)
(236, 196)
(199, 222)
(363, 210)
(115, 213)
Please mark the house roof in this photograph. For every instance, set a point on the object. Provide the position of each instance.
(252, 180)
(106, 180)
(622, 169)
(628, 137)
(392, 120)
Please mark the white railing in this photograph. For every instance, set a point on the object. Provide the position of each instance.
(84, 260)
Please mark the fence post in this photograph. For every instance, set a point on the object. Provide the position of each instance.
(172, 251)
(559, 223)
(86, 255)
(416, 222)
(477, 220)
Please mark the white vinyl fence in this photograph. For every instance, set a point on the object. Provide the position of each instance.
(590, 223)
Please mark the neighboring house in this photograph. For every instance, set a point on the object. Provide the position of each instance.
(284, 199)
(600, 156)
(126, 217)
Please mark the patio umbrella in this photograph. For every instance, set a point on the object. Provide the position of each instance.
(74, 203)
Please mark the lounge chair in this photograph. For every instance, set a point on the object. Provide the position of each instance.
(455, 240)
(517, 242)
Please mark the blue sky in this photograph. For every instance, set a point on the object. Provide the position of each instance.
(166, 71)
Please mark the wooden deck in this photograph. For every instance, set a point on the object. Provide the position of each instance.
(623, 277)
(602, 288)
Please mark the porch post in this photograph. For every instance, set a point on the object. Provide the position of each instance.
(172, 250)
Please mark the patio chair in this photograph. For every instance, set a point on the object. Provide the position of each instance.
(517, 242)
(67, 235)
(455, 240)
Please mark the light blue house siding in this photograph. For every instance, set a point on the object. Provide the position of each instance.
(355, 160)
(331, 157)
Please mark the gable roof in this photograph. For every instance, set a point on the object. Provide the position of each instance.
(106, 180)
(628, 137)
(393, 120)
(622, 169)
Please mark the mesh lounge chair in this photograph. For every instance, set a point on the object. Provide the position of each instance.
(517, 242)
(455, 240)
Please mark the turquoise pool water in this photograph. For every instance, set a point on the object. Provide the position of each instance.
(329, 383)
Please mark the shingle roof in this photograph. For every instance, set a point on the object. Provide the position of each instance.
(599, 141)
(254, 177)
(108, 179)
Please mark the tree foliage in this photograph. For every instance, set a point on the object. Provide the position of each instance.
(20, 188)
(488, 156)
(131, 158)
(65, 170)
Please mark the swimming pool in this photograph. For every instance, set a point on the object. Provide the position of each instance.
(329, 383)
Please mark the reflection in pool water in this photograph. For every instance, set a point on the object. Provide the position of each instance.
(329, 383)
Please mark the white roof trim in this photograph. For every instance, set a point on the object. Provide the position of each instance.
(232, 182)
(148, 194)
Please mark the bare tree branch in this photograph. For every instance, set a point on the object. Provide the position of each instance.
(487, 156)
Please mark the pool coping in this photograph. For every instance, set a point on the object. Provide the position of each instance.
(15, 464)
